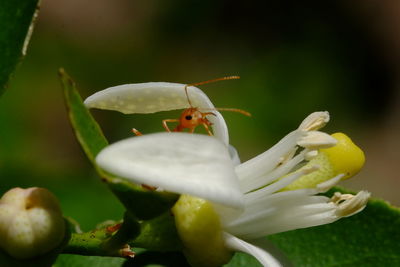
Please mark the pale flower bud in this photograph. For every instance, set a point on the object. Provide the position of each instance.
(31, 222)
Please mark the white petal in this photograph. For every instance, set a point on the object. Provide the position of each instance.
(261, 255)
(256, 183)
(289, 210)
(193, 164)
(282, 218)
(270, 159)
(154, 97)
(278, 185)
(220, 129)
(287, 223)
(267, 207)
(283, 199)
(234, 155)
(147, 98)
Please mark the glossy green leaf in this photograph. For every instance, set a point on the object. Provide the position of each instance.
(242, 260)
(158, 234)
(143, 203)
(157, 259)
(67, 260)
(370, 238)
(90, 136)
(148, 259)
(6, 260)
(16, 20)
(87, 130)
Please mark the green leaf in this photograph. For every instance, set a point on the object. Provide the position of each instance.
(90, 136)
(87, 130)
(142, 203)
(84, 261)
(157, 259)
(149, 259)
(6, 260)
(370, 238)
(158, 234)
(242, 260)
(16, 20)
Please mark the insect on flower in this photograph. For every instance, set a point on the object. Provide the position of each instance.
(151, 97)
(192, 117)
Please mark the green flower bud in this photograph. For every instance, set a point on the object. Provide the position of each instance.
(31, 222)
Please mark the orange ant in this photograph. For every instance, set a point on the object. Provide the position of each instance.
(192, 116)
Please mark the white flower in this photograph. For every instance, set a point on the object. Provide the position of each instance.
(224, 203)
(152, 97)
(201, 166)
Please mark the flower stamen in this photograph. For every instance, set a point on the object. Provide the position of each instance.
(315, 121)
(348, 204)
(316, 140)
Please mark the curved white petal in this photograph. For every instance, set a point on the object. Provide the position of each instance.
(193, 164)
(261, 255)
(154, 97)
(289, 210)
(234, 155)
(270, 159)
(280, 171)
(220, 129)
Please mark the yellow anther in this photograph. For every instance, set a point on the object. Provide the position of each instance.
(200, 231)
(344, 158)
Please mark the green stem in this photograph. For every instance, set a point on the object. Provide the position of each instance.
(89, 244)
(129, 229)
(106, 241)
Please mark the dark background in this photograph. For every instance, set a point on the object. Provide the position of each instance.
(293, 58)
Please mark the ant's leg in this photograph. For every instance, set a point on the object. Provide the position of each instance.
(207, 113)
(191, 130)
(207, 129)
(136, 132)
(164, 122)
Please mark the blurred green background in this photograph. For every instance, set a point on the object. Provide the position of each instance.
(293, 58)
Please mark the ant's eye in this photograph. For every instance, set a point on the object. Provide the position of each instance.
(188, 117)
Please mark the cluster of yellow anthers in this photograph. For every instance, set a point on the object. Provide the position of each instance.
(225, 204)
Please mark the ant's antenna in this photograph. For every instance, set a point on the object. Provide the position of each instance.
(210, 81)
(241, 111)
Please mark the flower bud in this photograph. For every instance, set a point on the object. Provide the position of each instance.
(31, 222)
(200, 231)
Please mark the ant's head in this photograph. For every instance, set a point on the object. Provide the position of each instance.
(192, 117)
